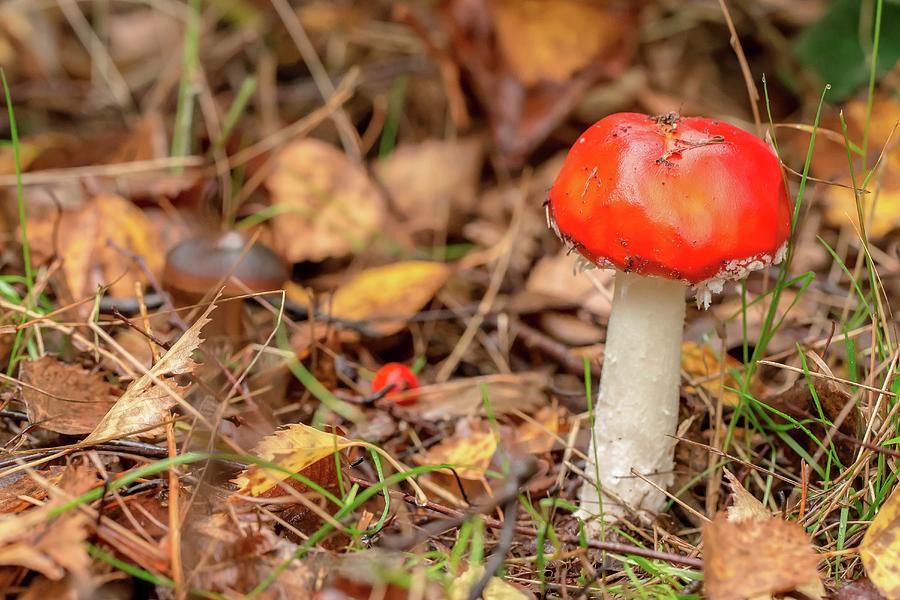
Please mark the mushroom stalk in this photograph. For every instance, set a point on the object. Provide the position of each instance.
(636, 413)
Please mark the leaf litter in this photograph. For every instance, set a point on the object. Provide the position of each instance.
(386, 151)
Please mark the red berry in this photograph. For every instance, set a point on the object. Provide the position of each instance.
(400, 377)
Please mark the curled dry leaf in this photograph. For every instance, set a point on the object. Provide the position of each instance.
(434, 181)
(555, 278)
(65, 398)
(295, 448)
(880, 548)
(328, 206)
(469, 450)
(755, 558)
(146, 403)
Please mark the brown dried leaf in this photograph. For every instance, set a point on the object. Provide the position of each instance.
(861, 589)
(555, 277)
(880, 548)
(145, 404)
(755, 557)
(433, 181)
(331, 207)
(65, 398)
(14, 487)
(469, 449)
(745, 506)
(53, 547)
(551, 40)
(463, 397)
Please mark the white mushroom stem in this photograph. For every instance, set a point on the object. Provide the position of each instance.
(636, 413)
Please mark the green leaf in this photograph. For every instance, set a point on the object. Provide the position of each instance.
(831, 47)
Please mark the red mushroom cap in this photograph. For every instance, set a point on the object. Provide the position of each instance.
(691, 199)
(401, 377)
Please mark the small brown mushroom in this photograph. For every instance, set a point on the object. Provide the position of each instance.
(198, 266)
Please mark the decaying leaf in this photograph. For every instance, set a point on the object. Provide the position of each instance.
(54, 547)
(422, 187)
(229, 555)
(15, 487)
(66, 398)
(470, 449)
(295, 448)
(880, 548)
(145, 404)
(497, 589)
(551, 40)
(331, 207)
(755, 558)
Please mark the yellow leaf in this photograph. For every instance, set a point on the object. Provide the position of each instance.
(496, 589)
(145, 404)
(330, 206)
(388, 296)
(880, 548)
(295, 448)
(551, 40)
(469, 449)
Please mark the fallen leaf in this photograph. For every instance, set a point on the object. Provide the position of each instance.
(295, 448)
(470, 449)
(840, 202)
(54, 547)
(330, 206)
(880, 548)
(65, 398)
(755, 558)
(87, 238)
(538, 437)
(145, 404)
(497, 588)
(232, 554)
(744, 506)
(523, 391)
(423, 190)
(551, 40)
(18, 485)
(556, 278)
(861, 589)
(704, 366)
(386, 297)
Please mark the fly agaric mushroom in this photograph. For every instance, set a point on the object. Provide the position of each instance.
(199, 265)
(668, 202)
(400, 378)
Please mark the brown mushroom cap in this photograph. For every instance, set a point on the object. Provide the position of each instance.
(197, 264)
